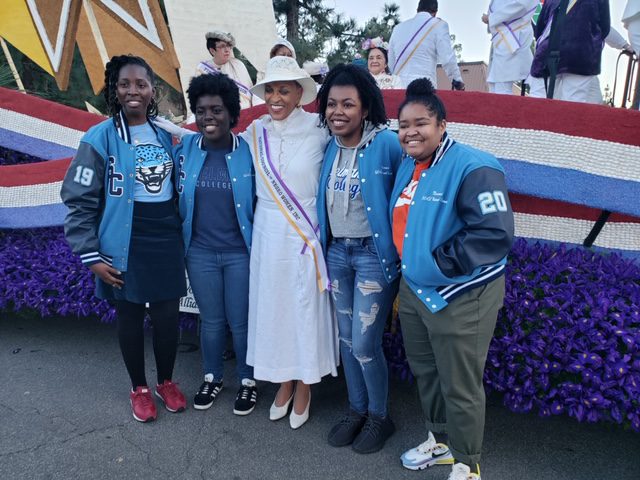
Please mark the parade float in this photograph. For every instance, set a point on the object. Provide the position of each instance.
(568, 338)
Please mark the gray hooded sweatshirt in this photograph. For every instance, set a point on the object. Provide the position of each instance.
(345, 205)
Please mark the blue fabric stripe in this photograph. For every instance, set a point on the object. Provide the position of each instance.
(33, 217)
(34, 146)
(572, 186)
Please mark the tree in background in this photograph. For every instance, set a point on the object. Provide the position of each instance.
(317, 31)
(314, 29)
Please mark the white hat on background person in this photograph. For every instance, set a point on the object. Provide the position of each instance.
(315, 68)
(286, 69)
(281, 42)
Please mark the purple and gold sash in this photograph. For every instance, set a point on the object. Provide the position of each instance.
(288, 204)
(244, 90)
(505, 33)
(395, 70)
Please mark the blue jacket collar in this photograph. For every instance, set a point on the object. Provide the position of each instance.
(122, 126)
(235, 141)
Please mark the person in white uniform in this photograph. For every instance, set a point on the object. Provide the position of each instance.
(417, 46)
(292, 338)
(631, 21)
(509, 23)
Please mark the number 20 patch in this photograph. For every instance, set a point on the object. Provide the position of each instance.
(492, 202)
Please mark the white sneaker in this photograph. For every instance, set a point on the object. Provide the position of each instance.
(427, 454)
(461, 471)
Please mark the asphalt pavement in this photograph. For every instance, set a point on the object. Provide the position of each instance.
(64, 414)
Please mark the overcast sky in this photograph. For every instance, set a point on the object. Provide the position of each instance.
(463, 17)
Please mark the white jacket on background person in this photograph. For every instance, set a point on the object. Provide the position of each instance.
(435, 48)
(631, 21)
(509, 23)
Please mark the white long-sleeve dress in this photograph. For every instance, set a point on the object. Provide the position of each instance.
(292, 330)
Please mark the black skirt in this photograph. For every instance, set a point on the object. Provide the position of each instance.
(155, 267)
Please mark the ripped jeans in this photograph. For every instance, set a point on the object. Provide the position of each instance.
(363, 300)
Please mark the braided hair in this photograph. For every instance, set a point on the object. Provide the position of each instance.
(360, 78)
(422, 91)
(111, 75)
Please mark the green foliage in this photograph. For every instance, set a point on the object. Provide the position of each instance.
(317, 31)
(6, 77)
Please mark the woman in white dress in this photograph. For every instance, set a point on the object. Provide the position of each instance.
(292, 332)
(377, 64)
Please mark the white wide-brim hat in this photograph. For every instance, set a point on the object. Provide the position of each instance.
(286, 69)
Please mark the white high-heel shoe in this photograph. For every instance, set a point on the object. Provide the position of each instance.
(295, 420)
(276, 413)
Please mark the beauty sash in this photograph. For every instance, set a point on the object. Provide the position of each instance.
(506, 31)
(244, 90)
(286, 201)
(436, 21)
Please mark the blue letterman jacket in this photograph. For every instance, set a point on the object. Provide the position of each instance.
(378, 163)
(460, 224)
(190, 157)
(98, 189)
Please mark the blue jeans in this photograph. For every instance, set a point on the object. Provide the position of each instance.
(363, 300)
(220, 283)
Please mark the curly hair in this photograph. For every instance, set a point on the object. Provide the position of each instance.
(111, 75)
(216, 85)
(352, 75)
(422, 91)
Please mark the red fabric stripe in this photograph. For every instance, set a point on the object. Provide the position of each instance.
(570, 118)
(46, 110)
(34, 173)
(552, 208)
(512, 111)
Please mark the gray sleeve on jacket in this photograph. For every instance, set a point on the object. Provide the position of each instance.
(483, 205)
(83, 194)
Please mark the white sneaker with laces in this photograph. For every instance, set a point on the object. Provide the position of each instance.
(461, 471)
(427, 454)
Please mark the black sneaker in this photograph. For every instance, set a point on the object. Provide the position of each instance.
(246, 398)
(345, 432)
(373, 435)
(207, 393)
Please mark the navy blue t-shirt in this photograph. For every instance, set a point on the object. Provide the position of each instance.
(215, 224)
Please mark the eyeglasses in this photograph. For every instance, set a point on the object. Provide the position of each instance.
(223, 46)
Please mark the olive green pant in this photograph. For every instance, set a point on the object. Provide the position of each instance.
(447, 352)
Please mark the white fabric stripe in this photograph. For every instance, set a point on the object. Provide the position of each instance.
(89, 254)
(30, 195)
(480, 279)
(105, 259)
(40, 129)
(616, 235)
(444, 290)
(90, 258)
(598, 157)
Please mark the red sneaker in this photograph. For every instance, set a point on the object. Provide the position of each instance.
(172, 397)
(142, 404)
